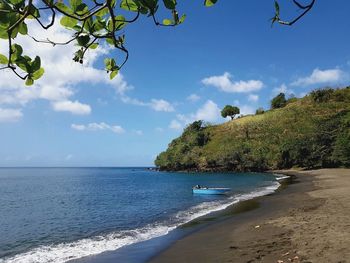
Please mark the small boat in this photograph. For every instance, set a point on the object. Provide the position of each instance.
(209, 190)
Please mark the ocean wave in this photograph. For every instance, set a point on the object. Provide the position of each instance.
(64, 252)
(280, 177)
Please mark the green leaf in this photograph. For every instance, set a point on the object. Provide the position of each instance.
(182, 19)
(89, 25)
(3, 59)
(68, 22)
(29, 81)
(110, 64)
(17, 51)
(77, 28)
(93, 46)
(64, 8)
(17, 3)
(99, 25)
(33, 11)
(110, 41)
(277, 9)
(113, 74)
(120, 22)
(151, 4)
(3, 34)
(210, 2)
(14, 32)
(83, 40)
(129, 5)
(23, 63)
(22, 28)
(107, 61)
(168, 22)
(36, 64)
(38, 74)
(102, 12)
(82, 9)
(74, 4)
(170, 4)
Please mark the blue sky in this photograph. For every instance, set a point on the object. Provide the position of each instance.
(227, 54)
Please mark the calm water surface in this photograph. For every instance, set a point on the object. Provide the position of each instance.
(58, 214)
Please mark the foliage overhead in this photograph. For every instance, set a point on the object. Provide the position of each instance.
(229, 110)
(92, 22)
(304, 133)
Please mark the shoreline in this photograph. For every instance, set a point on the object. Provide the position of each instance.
(306, 222)
(143, 251)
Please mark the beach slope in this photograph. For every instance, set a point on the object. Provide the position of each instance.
(307, 222)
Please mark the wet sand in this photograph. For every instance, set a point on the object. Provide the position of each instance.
(309, 221)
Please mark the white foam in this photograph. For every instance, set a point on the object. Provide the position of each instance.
(281, 176)
(64, 252)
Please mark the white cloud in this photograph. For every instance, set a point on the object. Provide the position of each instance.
(282, 89)
(253, 98)
(116, 129)
(78, 127)
(74, 107)
(161, 105)
(10, 115)
(175, 125)
(329, 76)
(62, 74)
(138, 132)
(159, 129)
(246, 109)
(209, 112)
(224, 83)
(154, 104)
(193, 97)
(98, 127)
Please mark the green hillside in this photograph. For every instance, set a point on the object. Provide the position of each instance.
(310, 132)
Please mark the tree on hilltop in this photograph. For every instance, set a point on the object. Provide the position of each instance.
(229, 110)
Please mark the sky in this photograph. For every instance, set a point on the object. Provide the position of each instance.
(227, 54)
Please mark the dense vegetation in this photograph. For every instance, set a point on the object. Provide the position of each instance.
(310, 132)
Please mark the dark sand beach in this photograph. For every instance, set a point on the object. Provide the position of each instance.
(306, 222)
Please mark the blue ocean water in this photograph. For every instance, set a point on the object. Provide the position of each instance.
(59, 214)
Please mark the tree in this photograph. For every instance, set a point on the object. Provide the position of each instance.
(259, 111)
(92, 23)
(229, 110)
(279, 101)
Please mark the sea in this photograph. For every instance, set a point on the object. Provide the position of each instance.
(62, 214)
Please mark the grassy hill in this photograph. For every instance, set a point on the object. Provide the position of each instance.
(310, 132)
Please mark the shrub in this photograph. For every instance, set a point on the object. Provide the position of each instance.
(321, 95)
(291, 100)
(279, 101)
(259, 111)
(194, 126)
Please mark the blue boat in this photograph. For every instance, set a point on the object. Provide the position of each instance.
(209, 190)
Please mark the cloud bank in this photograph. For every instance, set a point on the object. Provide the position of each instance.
(328, 76)
(225, 84)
